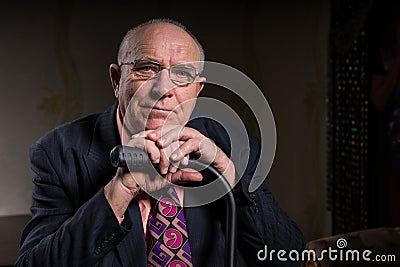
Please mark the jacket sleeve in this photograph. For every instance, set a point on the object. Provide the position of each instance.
(263, 225)
(60, 234)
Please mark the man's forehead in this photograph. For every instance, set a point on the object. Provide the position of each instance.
(164, 38)
(161, 28)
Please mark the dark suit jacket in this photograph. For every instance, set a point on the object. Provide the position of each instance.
(73, 225)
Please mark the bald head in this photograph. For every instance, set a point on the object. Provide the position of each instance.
(155, 28)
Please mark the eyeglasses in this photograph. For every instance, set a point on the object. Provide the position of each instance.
(180, 74)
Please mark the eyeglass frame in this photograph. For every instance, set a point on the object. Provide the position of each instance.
(161, 68)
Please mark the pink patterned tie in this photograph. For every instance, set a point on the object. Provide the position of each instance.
(169, 244)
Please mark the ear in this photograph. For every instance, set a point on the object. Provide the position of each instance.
(115, 76)
(200, 84)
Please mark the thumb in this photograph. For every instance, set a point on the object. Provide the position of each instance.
(186, 175)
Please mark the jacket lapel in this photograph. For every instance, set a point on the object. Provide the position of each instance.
(200, 234)
(97, 158)
(193, 223)
(105, 136)
(205, 236)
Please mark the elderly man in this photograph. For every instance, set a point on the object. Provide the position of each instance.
(88, 213)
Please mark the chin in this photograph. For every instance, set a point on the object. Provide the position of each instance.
(154, 124)
(158, 123)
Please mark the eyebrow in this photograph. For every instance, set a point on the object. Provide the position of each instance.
(149, 59)
(186, 64)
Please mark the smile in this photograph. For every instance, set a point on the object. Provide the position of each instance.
(161, 109)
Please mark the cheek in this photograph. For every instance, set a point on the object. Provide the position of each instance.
(125, 94)
(186, 102)
(128, 89)
(186, 94)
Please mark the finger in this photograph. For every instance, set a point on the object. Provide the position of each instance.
(168, 177)
(155, 135)
(185, 160)
(172, 168)
(142, 134)
(153, 152)
(186, 175)
(207, 150)
(164, 163)
(172, 135)
(179, 164)
(147, 145)
(190, 146)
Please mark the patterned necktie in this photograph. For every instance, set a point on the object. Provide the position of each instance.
(168, 240)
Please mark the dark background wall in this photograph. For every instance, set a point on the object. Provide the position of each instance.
(54, 67)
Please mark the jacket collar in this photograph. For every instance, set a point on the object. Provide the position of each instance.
(105, 134)
(97, 156)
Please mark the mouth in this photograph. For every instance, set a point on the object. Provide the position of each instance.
(161, 109)
(158, 110)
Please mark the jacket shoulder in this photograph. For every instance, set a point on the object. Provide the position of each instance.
(76, 133)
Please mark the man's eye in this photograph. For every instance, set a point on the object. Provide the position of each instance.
(147, 68)
(184, 73)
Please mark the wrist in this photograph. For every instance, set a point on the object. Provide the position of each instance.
(119, 195)
(225, 166)
(132, 190)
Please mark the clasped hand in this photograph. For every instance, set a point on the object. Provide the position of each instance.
(169, 149)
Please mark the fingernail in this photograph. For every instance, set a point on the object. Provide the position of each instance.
(164, 170)
(160, 143)
(152, 135)
(174, 155)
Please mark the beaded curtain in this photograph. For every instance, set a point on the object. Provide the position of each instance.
(348, 108)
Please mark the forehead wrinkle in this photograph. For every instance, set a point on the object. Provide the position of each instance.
(159, 42)
(166, 54)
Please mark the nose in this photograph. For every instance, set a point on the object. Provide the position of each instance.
(162, 85)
